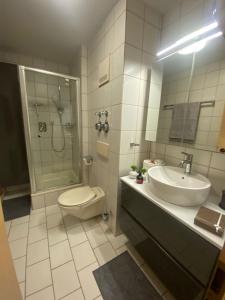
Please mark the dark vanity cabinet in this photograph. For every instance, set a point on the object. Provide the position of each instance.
(183, 260)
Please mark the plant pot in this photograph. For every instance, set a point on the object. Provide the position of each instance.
(133, 174)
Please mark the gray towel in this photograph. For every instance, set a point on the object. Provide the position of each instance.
(185, 122)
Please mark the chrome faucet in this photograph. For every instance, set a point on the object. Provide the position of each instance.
(187, 162)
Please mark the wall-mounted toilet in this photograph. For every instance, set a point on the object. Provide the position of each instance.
(83, 202)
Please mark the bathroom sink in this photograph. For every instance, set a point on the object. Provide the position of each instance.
(171, 184)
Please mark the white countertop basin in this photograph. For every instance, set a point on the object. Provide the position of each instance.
(171, 184)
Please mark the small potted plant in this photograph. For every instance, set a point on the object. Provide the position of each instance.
(133, 173)
(141, 175)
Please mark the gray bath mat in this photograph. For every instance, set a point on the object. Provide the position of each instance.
(122, 279)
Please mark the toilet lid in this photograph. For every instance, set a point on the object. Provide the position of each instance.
(76, 196)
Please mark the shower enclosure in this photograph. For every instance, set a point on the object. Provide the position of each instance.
(51, 114)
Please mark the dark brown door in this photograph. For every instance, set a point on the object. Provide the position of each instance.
(13, 160)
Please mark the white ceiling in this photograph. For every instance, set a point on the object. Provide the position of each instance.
(53, 29)
(50, 28)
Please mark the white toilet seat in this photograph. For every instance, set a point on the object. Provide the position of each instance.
(83, 202)
(77, 196)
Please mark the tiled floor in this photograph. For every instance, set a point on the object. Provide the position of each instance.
(54, 255)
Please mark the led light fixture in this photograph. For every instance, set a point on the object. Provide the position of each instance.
(198, 46)
(196, 34)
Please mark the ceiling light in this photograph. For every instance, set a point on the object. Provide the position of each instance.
(193, 48)
(189, 37)
(198, 46)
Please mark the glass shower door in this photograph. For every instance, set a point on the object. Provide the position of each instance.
(52, 106)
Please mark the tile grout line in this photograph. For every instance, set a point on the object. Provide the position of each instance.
(73, 259)
(42, 289)
(39, 262)
(25, 282)
(50, 259)
(61, 298)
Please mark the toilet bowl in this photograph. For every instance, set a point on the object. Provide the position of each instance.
(83, 202)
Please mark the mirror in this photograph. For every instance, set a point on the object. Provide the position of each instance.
(190, 99)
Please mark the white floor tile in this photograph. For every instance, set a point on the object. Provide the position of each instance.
(104, 225)
(46, 294)
(37, 251)
(7, 226)
(121, 250)
(116, 241)
(65, 280)
(70, 221)
(21, 220)
(22, 289)
(90, 224)
(18, 231)
(96, 236)
(53, 209)
(83, 255)
(104, 253)
(37, 233)
(76, 235)
(54, 220)
(88, 283)
(37, 219)
(38, 276)
(60, 254)
(77, 295)
(56, 234)
(18, 248)
(37, 211)
(20, 266)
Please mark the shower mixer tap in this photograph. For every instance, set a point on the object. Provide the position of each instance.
(102, 125)
(98, 125)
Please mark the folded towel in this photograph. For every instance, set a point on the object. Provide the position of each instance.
(185, 122)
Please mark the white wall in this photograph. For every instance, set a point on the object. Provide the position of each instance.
(143, 27)
(130, 35)
(79, 69)
(108, 41)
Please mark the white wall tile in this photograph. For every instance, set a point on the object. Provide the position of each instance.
(117, 62)
(132, 64)
(137, 7)
(218, 161)
(134, 30)
(119, 31)
(129, 117)
(151, 40)
(131, 90)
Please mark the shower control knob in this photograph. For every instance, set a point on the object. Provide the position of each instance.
(106, 127)
(98, 126)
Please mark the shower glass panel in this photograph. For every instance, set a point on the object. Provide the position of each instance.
(53, 121)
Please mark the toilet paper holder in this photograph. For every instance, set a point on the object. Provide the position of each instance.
(88, 160)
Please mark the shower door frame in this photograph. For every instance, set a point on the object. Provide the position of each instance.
(26, 121)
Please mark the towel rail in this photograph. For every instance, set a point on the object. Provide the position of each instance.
(203, 104)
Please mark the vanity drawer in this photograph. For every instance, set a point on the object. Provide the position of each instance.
(187, 248)
(175, 278)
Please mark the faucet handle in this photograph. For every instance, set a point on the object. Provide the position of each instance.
(188, 156)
